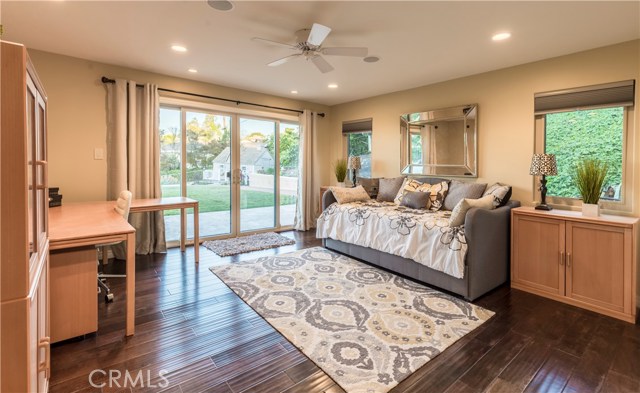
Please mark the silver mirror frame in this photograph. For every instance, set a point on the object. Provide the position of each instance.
(468, 168)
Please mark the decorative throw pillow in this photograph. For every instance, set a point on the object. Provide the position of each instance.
(351, 194)
(459, 212)
(370, 184)
(388, 188)
(416, 200)
(501, 194)
(408, 185)
(459, 190)
(437, 191)
(438, 194)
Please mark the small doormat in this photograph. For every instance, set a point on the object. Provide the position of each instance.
(239, 245)
(368, 329)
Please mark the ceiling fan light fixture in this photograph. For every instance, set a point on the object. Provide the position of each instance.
(371, 59)
(333, 85)
(220, 5)
(309, 47)
(178, 48)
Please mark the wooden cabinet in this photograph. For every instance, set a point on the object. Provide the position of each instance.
(538, 247)
(587, 262)
(24, 256)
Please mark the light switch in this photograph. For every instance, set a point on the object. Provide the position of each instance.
(98, 153)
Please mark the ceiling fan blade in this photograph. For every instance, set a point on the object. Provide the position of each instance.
(344, 51)
(275, 43)
(317, 34)
(322, 64)
(283, 60)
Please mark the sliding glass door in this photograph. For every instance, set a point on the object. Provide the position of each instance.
(289, 143)
(257, 174)
(243, 170)
(208, 148)
(171, 166)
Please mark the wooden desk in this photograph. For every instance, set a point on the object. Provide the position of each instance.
(182, 203)
(88, 224)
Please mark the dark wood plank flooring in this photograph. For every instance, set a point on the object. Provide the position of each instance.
(202, 337)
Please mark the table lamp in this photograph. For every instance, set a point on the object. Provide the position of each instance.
(354, 165)
(543, 165)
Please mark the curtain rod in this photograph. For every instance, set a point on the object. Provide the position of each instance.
(237, 102)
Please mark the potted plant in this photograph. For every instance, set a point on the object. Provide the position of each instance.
(340, 169)
(589, 177)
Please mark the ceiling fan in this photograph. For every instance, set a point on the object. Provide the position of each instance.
(309, 46)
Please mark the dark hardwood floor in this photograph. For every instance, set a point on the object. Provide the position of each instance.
(204, 338)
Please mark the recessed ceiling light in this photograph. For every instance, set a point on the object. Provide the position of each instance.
(192, 70)
(332, 86)
(178, 48)
(220, 5)
(501, 36)
(371, 59)
(294, 91)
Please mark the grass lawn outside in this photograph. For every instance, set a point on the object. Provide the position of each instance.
(214, 198)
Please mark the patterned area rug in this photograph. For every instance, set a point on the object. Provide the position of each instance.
(238, 245)
(366, 328)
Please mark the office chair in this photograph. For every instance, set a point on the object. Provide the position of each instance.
(123, 204)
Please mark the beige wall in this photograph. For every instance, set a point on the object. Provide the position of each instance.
(506, 120)
(77, 117)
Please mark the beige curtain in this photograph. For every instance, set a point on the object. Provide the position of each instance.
(307, 209)
(133, 157)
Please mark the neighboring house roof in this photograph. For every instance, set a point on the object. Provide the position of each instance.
(223, 157)
(250, 154)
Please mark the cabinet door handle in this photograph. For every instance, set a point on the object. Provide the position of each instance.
(45, 343)
(45, 175)
(561, 258)
(568, 259)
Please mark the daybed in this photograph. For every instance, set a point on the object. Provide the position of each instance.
(486, 264)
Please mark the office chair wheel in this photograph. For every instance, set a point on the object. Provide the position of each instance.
(108, 298)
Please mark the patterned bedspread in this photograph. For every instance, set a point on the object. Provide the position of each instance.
(421, 235)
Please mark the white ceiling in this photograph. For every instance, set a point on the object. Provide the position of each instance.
(418, 42)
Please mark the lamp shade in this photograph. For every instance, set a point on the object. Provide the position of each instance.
(543, 164)
(354, 162)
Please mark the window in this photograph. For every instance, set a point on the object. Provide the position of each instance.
(585, 133)
(590, 122)
(359, 144)
(358, 136)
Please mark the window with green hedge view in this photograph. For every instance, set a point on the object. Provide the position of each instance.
(593, 133)
(359, 144)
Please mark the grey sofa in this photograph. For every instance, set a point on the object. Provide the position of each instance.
(486, 263)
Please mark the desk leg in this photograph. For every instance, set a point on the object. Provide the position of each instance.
(131, 283)
(183, 229)
(196, 233)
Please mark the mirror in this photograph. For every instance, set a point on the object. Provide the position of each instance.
(440, 142)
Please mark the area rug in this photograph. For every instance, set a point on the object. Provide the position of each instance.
(366, 328)
(239, 245)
